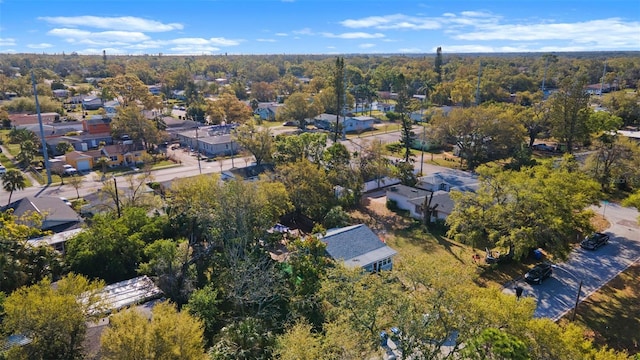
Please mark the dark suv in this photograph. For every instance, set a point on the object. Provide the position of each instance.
(538, 273)
(594, 241)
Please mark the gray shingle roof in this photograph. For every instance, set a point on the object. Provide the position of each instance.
(356, 245)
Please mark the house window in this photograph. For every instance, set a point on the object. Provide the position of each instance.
(113, 158)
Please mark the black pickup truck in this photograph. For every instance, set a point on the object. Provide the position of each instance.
(594, 241)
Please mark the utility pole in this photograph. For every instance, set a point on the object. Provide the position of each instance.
(115, 186)
(45, 153)
(575, 308)
(422, 148)
(198, 150)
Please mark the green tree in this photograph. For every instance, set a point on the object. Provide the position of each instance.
(111, 248)
(537, 206)
(76, 182)
(259, 142)
(570, 113)
(306, 146)
(21, 263)
(63, 147)
(130, 121)
(403, 108)
(205, 304)
(624, 105)
(243, 339)
(171, 268)
(308, 187)
(481, 133)
(28, 152)
(299, 108)
(299, 342)
(438, 64)
(336, 157)
(615, 160)
(13, 180)
(54, 318)
(169, 335)
(129, 90)
(496, 344)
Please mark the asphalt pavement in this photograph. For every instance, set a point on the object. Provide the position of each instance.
(557, 295)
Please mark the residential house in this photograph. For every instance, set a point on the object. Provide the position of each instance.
(358, 247)
(18, 120)
(56, 215)
(111, 107)
(179, 95)
(125, 154)
(597, 89)
(384, 107)
(414, 201)
(405, 197)
(155, 89)
(80, 161)
(267, 110)
(631, 134)
(417, 116)
(210, 141)
(348, 124)
(56, 241)
(91, 103)
(97, 125)
(61, 93)
(449, 180)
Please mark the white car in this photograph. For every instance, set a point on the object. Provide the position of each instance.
(3, 170)
(66, 201)
(69, 170)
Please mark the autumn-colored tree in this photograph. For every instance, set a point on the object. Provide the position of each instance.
(168, 335)
(228, 109)
(299, 107)
(54, 318)
(258, 142)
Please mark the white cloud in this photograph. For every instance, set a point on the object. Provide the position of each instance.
(597, 33)
(467, 48)
(39, 46)
(409, 50)
(281, 34)
(217, 41)
(194, 49)
(126, 23)
(366, 46)
(354, 35)
(305, 31)
(7, 42)
(395, 21)
(97, 38)
(266, 40)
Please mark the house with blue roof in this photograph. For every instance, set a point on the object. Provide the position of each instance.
(359, 246)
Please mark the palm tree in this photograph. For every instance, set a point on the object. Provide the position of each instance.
(13, 180)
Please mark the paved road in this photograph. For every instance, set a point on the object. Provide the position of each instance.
(557, 295)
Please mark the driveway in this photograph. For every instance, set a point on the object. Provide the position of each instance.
(557, 295)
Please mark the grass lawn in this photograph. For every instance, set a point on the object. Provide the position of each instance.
(613, 312)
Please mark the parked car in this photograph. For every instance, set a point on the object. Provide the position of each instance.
(3, 170)
(544, 147)
(538, 273)
(66, 201)
(594, 241)
(69, 170)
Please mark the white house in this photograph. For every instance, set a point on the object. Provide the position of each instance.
(357, 246)
(358, 124)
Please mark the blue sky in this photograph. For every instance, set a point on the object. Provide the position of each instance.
(316, 26)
